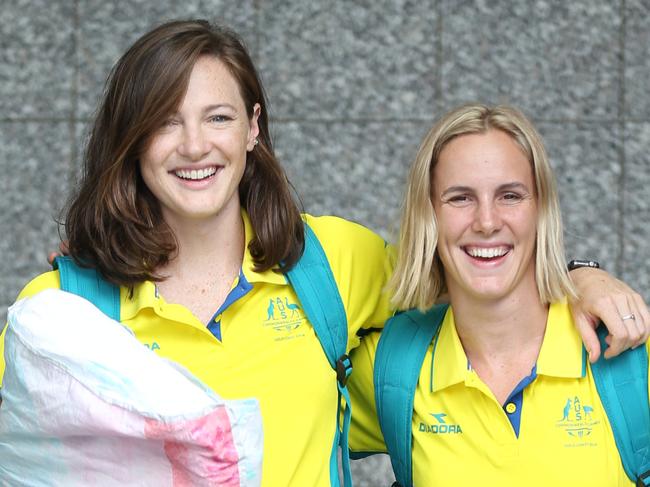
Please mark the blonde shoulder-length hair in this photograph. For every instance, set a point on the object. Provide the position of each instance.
(419, 279)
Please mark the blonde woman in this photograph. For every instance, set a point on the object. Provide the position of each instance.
(505, 393)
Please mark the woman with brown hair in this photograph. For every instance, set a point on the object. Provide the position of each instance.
(184, 205)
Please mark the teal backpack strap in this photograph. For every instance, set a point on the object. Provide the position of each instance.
(622, 384)
(398, 361)
(314, 284)
(89, 284)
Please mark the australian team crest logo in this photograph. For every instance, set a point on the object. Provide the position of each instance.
(577, 419)
(284, 316)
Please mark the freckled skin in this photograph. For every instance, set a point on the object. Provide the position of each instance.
(210, 129)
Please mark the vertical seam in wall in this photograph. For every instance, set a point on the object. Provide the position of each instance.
(256, 54)
(257, 8)
(74, 93)
(439, 60)
(620, 259)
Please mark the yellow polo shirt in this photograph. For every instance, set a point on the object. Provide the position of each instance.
(552, 430)
(259, 344)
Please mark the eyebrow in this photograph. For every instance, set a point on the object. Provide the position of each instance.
(210, 108)
(217, 106)
(503, 187)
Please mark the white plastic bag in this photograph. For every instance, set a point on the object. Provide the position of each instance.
(86, 404)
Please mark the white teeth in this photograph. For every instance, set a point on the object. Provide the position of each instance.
(195, 174)
(487, 253)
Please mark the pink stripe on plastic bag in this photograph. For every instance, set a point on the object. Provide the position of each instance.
(201, 452)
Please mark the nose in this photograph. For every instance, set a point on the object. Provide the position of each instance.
(487, 219)
(194, 144)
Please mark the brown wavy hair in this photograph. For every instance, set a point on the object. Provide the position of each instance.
(113, 222)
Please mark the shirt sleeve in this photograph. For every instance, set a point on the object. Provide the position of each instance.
(362, 263)
(365, 433)
(48, 280)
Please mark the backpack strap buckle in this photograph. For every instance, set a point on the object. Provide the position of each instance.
(343, 369)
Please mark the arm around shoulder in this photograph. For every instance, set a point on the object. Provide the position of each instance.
(362, 262)
(365, 434)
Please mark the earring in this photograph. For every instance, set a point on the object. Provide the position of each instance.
(257, 141)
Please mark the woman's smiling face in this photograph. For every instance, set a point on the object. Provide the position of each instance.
(194, 163)
(486, 209)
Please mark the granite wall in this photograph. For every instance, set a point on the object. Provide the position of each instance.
(353, 85)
